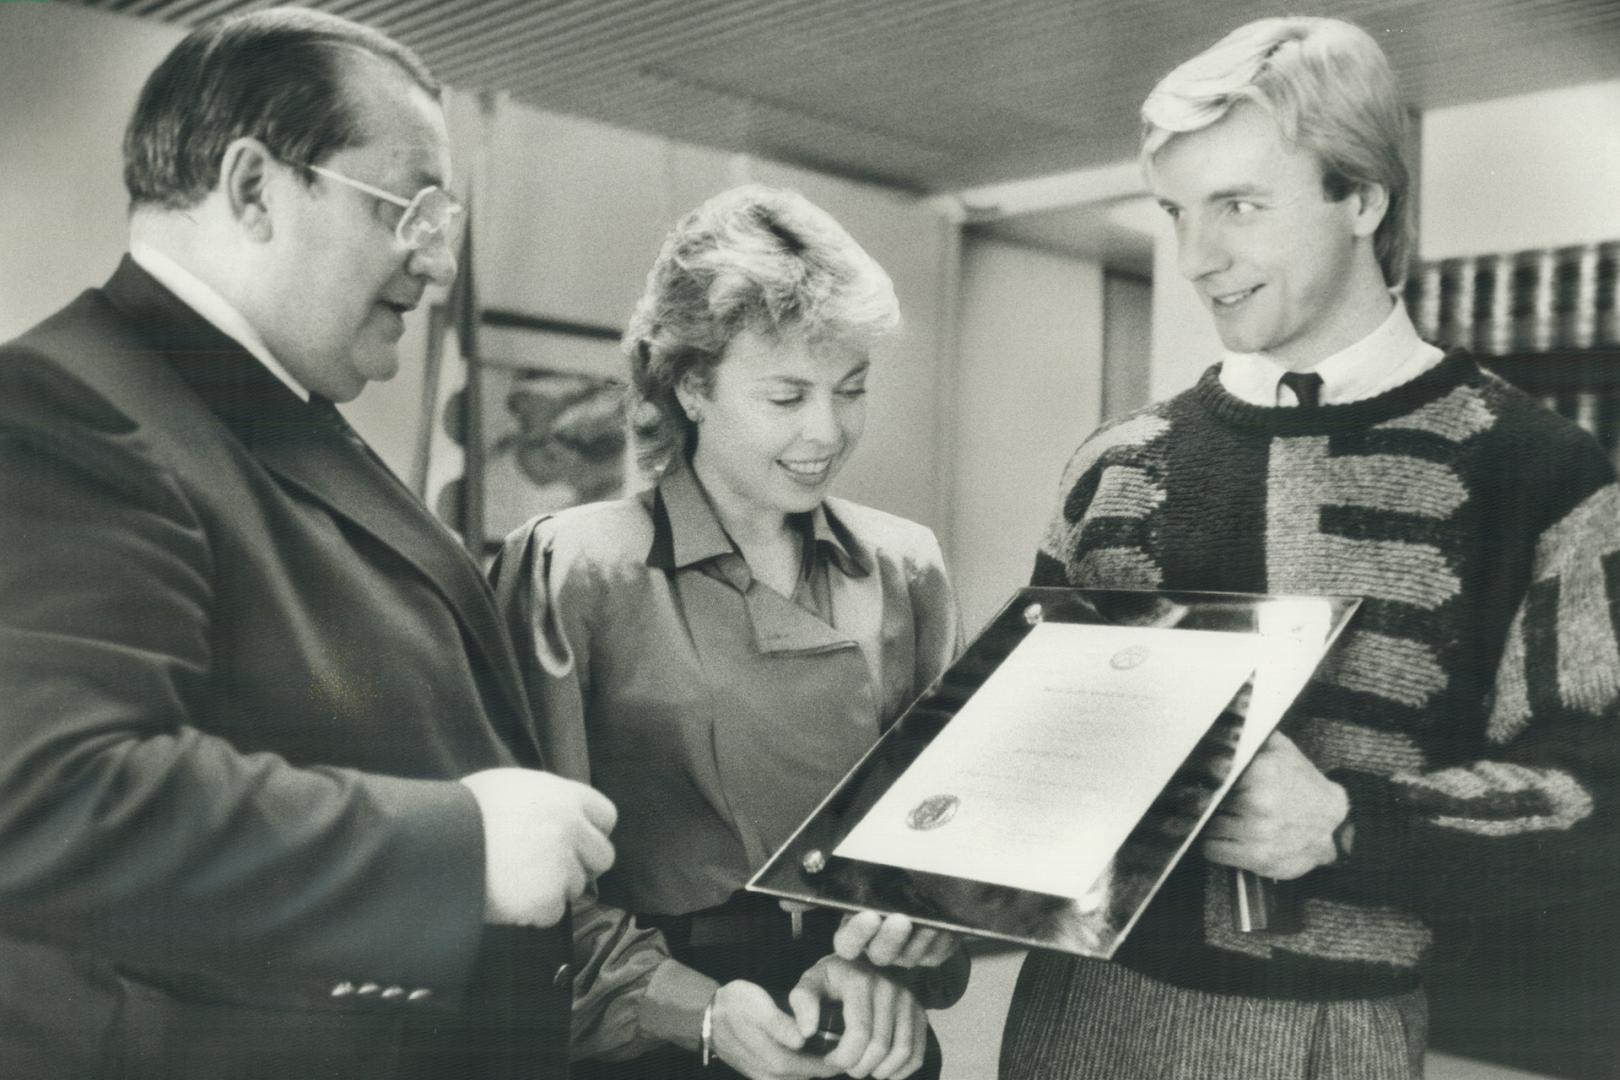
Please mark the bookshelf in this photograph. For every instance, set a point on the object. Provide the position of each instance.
(1546, 320)
(1537, 990)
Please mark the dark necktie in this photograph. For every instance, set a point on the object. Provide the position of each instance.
(326, 414)
(1306, 385)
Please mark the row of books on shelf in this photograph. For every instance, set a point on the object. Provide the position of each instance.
(1521, 302)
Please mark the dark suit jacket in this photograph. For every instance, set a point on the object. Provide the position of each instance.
(240, 669)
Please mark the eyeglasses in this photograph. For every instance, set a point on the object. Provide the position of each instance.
(433, 214)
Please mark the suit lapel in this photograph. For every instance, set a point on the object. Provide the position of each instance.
(317, 459)
(326, 467)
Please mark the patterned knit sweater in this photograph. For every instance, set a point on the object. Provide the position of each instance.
(1470, 710)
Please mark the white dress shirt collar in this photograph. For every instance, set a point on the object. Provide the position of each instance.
(1392, 355)
(201, 298)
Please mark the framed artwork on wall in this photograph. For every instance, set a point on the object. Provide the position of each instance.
(553, 431)
(521, 415)
(532, 424)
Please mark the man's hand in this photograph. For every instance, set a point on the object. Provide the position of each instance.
(892, 941)
(759, 1040)
(885, 1030)
(1280, 816)
(545, 839)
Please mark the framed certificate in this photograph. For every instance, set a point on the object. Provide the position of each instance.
(1043, 788)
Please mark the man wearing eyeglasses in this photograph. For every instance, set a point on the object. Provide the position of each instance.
(271, 800)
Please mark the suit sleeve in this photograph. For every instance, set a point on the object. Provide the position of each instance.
(126, 828)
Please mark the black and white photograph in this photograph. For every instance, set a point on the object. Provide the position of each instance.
(687, 539)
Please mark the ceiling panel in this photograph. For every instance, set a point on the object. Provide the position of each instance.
(927, 95)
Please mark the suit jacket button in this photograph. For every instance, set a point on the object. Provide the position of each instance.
(420, 994)
(343, 989)
(564, 977)
(393, 992)
(367, 989)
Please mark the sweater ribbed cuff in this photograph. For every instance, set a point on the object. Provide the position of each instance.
(1379, 868)
(937, 987)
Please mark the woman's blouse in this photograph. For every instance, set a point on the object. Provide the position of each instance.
(715, 712)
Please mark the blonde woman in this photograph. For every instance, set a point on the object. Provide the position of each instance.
(714, 654)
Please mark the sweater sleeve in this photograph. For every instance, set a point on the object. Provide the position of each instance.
(1058, 545)
(1097, 535)
(1534, 820)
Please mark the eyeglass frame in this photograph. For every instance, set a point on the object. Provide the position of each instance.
(446, 233)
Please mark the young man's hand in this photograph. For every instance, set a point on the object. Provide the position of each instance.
(892, 941)
(1280, 818)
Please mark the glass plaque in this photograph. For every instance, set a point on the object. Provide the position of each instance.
(1045, 785)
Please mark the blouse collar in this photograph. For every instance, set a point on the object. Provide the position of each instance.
(687, 531)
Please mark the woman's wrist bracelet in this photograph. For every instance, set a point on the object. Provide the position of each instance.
(706, 1032)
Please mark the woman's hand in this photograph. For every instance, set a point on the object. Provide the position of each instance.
(885, 1030)
(892, 941)
(759, 1040)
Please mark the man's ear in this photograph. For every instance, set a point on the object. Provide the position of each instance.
(245, 174)
(1371, 203)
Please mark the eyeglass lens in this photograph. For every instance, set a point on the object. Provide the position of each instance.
(433, 215)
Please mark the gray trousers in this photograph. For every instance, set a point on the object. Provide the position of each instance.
(1074, 1019)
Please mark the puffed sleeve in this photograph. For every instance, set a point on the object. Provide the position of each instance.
(939, 624)
(550, 633)
(629, 994)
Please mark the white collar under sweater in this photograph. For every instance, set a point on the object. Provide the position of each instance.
(1392, 355)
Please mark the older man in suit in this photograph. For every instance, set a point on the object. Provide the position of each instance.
(271, 800)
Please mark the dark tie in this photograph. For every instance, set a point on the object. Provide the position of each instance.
(326, 414)
(1306, 385)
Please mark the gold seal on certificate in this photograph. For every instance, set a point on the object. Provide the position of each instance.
(1131, 656)
(1043, 787)
(933, 812)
